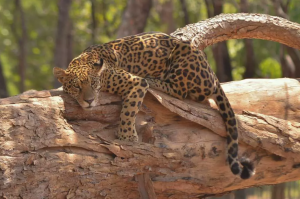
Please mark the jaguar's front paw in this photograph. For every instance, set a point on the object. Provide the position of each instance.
(127, 134)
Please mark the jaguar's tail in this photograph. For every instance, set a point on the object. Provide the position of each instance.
(244, 168)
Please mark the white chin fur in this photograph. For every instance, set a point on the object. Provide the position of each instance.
(85, 105)
(93, 103)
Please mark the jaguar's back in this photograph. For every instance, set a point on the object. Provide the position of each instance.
(144, 54)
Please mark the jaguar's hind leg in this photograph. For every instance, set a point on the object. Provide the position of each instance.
(170, 88)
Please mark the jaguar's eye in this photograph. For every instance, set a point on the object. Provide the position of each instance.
(75, 84)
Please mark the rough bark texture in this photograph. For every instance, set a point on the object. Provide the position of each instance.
(52, 148)
(241, 26)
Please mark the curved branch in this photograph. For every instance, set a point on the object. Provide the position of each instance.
(240, 26)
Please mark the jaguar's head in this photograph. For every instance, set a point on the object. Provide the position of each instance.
(81, 78)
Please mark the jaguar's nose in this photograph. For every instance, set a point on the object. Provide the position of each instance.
(89, 101)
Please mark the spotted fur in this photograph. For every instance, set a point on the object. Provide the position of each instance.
(129, 66)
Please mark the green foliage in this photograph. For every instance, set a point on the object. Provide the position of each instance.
(235, 47)
(41, 19)
(269, 67)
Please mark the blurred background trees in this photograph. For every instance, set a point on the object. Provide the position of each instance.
(37, 35)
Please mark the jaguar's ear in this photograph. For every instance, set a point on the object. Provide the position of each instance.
(59, 73)
(98, 64)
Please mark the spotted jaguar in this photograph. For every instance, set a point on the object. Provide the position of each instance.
(130, 65)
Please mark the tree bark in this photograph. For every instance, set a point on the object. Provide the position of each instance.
(185, 12)
(290, 63)
(93, 21)
(3, 88)
(21, 39)
(250, 62)
(287, 64)
(57, 150)
(69, 39)
(278, 191)
(240, 194)
(61, 51)
(220, 50)
(165, 10)
(295, 58)
(134, 17)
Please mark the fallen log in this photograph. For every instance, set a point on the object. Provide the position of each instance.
(51, 147)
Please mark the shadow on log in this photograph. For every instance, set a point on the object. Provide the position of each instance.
(52, 148)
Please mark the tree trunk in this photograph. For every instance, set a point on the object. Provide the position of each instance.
(250, 62)
(290, 63)
(220, 50)
(287, 64)
(134, 17)
(295, 58)
(62, 33)
(3, 88)
(278, 191)
(241, 194)
(93, 21)
(165, 10)
(69, 46)
(185, 12)
(57, 150)
(22, 43)
(223, 62)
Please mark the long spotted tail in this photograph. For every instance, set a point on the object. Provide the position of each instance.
(244, 168)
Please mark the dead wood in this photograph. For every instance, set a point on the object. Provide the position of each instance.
(51, 148)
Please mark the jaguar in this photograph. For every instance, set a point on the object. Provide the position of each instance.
(130, 65)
